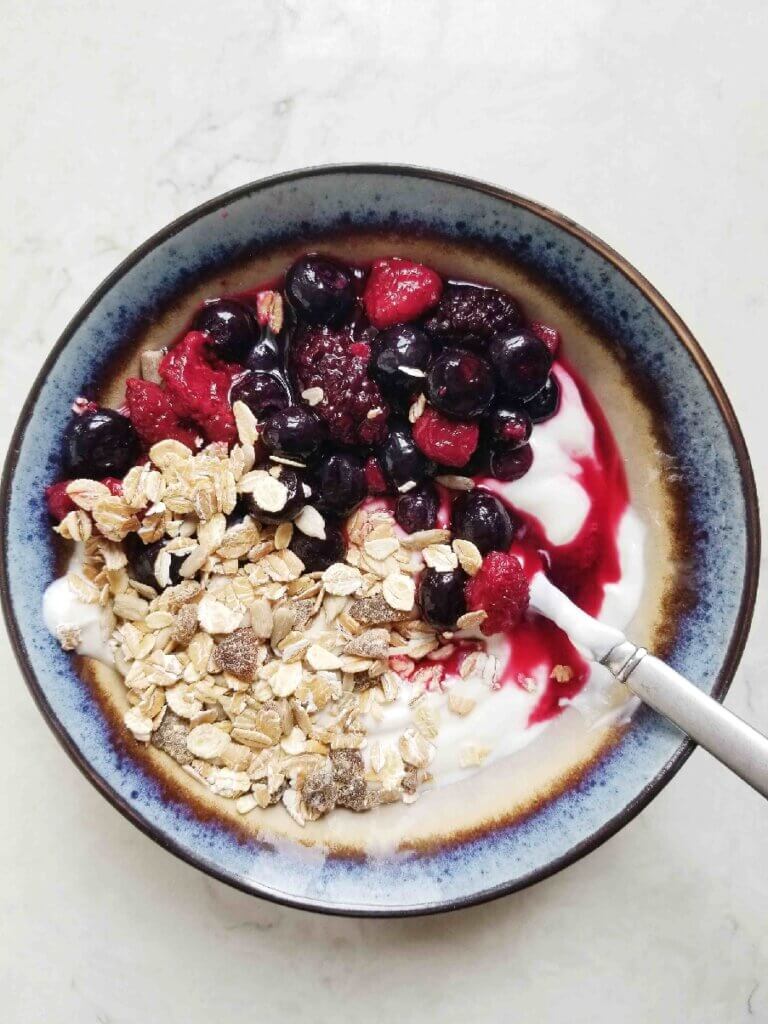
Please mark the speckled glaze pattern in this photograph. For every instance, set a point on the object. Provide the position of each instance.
(704, 437)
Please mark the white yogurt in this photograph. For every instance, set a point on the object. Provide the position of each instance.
(61, 608)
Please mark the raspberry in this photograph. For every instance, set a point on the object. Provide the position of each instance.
(58, 501)
(152, 414)
(469, 314)
(549, 335)
(448, 442)
(197, 390)
(501, 590)
(398, 290)
(374, 477)
(323, 359)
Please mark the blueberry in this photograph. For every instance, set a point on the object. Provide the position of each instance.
(441, 597)
(545, 402)
(101, 443)
(509, 427)
(265, 355)
(417, 509)
(317, 554)
(321, 290)
(460, 384)
(339, 483)
(295, 430)
(141, 561)
(231, 327)
(478, 464)
(240, 511)
(394, 351)
(480, 517)
(293, 482)
(522, 362)
(511, 463)
(401, 460)
(263, 393)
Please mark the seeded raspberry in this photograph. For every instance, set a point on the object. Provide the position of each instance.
(197, 390)
(153, 416)
(447, 442)
(549, 335)
(501, 590)
(399, 290)
(58, 501)
(323, 358)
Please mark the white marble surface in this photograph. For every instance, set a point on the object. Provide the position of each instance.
(645, 122)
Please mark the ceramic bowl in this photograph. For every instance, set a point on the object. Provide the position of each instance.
(688, 469)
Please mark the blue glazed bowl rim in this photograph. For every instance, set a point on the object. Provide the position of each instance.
(684, 336)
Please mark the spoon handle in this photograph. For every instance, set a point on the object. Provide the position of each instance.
(740, 747)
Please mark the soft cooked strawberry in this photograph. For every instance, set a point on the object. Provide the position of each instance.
(445, 441)
(153, 415)
(399, 290)
(197, 390)
(501, 590)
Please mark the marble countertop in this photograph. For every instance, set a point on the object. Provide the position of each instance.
(644, 122)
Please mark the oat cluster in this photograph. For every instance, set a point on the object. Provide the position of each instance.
(257, 677)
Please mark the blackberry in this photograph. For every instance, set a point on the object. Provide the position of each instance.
(325, 359)
(468, 314)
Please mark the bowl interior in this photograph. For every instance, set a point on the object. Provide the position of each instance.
(688, 471)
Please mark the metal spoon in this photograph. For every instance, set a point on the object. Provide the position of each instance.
(737, 745)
